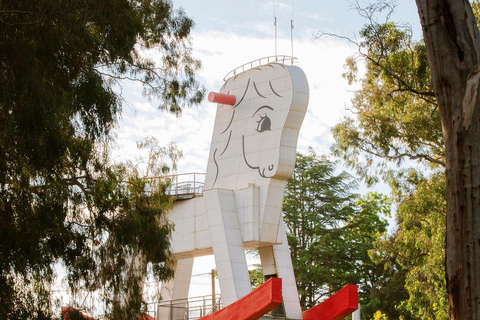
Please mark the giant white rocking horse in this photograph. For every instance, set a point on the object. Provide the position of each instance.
(252, 155)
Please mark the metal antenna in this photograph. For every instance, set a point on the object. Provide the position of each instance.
(291, 29)
(275, 24)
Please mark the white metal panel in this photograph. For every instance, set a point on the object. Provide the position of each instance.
(176, 288)
(285, 271)
(252, 155)
(227, 244)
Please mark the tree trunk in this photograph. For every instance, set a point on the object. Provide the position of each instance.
(453, 47)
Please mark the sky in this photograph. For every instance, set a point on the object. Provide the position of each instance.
(228, 34)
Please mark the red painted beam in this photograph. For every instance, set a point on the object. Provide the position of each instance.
(66, 311)
(144, 316)
(254, 305)
(337, 307)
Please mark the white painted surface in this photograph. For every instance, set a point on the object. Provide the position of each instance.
(356, 314)
(252, 155)
(175, 289)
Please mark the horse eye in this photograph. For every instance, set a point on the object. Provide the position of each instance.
(264, 124)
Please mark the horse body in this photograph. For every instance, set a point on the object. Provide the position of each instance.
(251, 158)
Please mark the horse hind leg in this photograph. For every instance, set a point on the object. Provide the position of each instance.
(277, 262)
(174, 293)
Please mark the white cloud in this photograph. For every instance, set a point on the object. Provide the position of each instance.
(314, 16)
(220, 52)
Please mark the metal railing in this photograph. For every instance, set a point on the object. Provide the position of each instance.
(261, 62)
(186, 185)
(188, 309)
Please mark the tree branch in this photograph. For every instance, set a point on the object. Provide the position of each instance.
(402, 155)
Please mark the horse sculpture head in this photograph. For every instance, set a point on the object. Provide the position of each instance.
(255, 138)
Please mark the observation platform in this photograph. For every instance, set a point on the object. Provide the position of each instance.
(286, 60)
(185, 186)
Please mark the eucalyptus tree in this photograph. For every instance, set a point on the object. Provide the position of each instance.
(435, 114)
(453, 49)
(396, 135)
(61, 200)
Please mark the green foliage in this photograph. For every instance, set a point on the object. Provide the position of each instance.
(476, 8)
(110, 221)
(418, 245)
(396, 118)
(395, 110)
(256, 276)
(379, 316)
(330, 230)
(61, 200)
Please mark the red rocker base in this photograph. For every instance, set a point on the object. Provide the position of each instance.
(269, 295)
(337, 307)
(266, 298)
(254, 305)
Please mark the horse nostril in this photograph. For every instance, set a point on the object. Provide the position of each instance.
(270, 167)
